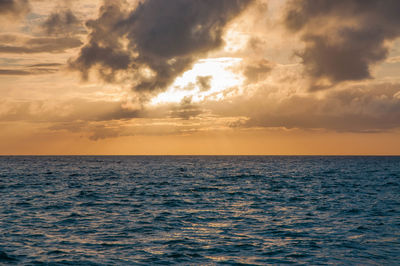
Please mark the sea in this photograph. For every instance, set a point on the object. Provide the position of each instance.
(199, 210)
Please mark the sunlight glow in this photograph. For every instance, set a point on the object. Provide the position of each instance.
(217, 72)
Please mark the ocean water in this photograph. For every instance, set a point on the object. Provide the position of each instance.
(205, 210)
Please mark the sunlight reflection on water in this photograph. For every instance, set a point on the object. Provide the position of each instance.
(200, 210)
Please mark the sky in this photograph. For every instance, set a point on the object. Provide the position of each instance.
(201, 77)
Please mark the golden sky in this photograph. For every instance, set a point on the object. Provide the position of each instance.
(200, 77)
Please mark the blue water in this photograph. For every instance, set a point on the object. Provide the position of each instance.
(199, 210)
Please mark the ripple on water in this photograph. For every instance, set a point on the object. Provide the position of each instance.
(199, 210)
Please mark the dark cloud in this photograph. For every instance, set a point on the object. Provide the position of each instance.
(204, 82)
(186, 109)
(255, 44)
(13, 72)
(100, 132)
(19, 72)
(46, 65)
(18, 44)
(255, 71)
(104, 48)
(63, 22)
(14, 8)
(343, 37)
(156, 41)
(36, 69)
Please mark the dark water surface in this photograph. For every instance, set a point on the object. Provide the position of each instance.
(199, 210)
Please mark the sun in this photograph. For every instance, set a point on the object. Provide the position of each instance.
(208, 78)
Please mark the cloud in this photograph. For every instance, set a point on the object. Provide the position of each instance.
(204, 82)
(186, 109)
(46, 65)
(13, 72)
(35, 69)
(343, 38)
(20, 72)
(102, 132)
(23, 44)
(255, 71)
(393, 60)
(94, 131)
(92, 119)
(74, 110)
(357, 108)
(156, 41)
(14, 8)
(63, 22)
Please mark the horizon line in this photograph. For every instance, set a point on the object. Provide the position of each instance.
(214, 155)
